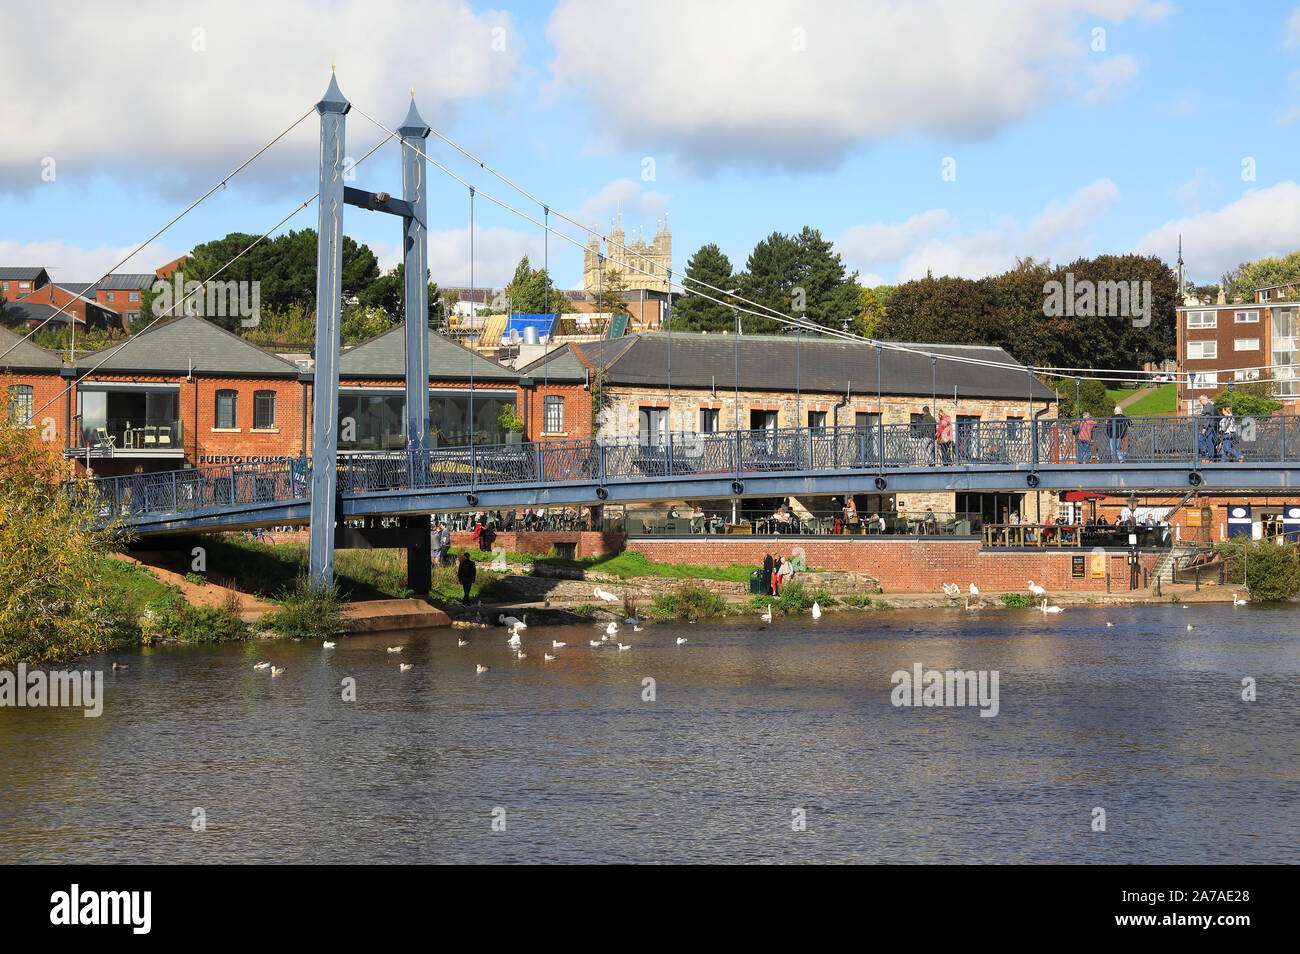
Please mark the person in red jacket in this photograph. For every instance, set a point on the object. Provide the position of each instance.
(1082, 430)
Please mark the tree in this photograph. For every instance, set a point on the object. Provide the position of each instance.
(1249, 399)
(54, 602)
(1271, 572)
(387, 293)
(831, 298)
(532, 292)
(1092, 398)
(1246, 277)
(609, 298)
(770, 278)
(693, 311)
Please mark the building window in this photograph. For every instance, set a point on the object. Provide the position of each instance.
(1265, 294)
(132, 315)
(22, 285)
(4, 286)
(1202, 380)
(22, 403)
(653, 425)
(132, 296)
(227, 402)
(109, 296)
(1246, 317)
(1014, 424)
(1246, 374)
(553, 416)
(1245, 344)
(1202, 319)
(817, 421)
(708, 420)
(263, 410)
(1202, 349)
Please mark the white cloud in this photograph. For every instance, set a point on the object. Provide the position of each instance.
(496, 253)
(638, 207)
(1059, 232)
(1262, 222)
(148, 88)
(1191, 192)
(1293, 29)
(800, 83)
(70, 263)
(868, 246)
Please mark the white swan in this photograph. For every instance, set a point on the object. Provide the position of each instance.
(513, 639)
(1237, 602)
(605, 595)
(394, 649)
(952, 589)
(681, 640)
(1189, 627)
(480, 668)
(1036, 589)
(1110, 625)
(611, 629)
(327, 645)
(262, 665)
(817, 611)
(510, 622)
(462, 641)
(1049, 609)
(624, 646)
(595, 644)
(766, 615)
(974, 591)
(405, 667)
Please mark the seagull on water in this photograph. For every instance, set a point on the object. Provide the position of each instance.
(1110, 625)
(405, 667)
(681, 640)
(276, 670)
(595, 643)
(394, 649)
(462, 641)
(262, 665)
(548, 657)
(480, 668)
(1189, 627)
(556, 644)
(327, 645)
(623, 647)
(117, 666)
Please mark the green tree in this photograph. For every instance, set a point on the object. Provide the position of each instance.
(1249, 399)
(1092, 398)
(832, 298)
(1271, 572)
(693, 311)
(532, 292)
(771, 276)
(1246, 277)
(55, 604)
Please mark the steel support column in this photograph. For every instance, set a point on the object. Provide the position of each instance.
(333, 109)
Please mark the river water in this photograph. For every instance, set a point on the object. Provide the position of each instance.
(749, 728)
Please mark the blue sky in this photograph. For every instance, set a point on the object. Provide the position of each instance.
(757, 116)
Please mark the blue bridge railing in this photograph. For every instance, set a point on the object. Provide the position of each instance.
(1026, 445)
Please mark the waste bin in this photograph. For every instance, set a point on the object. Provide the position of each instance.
(756, 583)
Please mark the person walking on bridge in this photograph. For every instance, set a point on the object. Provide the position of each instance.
(1082, 430)
(943, 437)
(1116, 429)
(1208, 440)
(928, 431)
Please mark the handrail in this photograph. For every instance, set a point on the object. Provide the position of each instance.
(869, 449)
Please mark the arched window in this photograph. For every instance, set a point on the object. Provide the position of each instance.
(263, 410)
(227, 407)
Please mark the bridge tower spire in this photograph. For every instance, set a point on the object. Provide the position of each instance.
(333, 109)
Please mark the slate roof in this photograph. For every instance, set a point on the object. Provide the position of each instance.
(38, 311)
(22, 273)
(124, 281)
(826, 365)
(25, 356)
(385, 357)
(171, 347)
(559, 365)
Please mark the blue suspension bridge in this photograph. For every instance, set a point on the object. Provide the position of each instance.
(1165, 455)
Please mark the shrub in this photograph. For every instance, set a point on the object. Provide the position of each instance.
(860, 600)
(196, 624)
(687, 602)
(1272, 572)
(196, 579)
(584, 609)
(1017, 600)
(307, 610)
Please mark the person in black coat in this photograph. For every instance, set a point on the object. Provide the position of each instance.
(465, 573)
(767, 573)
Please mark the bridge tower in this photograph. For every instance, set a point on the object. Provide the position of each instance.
(412, 209)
